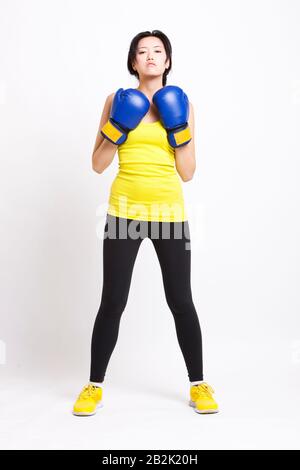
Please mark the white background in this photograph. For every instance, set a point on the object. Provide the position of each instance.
(238, 62)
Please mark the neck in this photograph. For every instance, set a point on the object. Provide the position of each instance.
(149, 87)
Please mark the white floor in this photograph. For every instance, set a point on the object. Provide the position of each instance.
(36, 414)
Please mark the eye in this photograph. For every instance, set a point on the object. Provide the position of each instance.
(142, 52)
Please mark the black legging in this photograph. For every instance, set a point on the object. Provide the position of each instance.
(120, 248)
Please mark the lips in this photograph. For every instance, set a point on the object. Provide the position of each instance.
(150, 63)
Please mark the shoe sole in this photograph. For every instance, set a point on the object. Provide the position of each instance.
(85, 413)
(208, 411)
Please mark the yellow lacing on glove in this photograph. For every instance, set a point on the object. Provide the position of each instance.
(204, 389)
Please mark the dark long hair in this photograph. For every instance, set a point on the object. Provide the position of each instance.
(133, 49)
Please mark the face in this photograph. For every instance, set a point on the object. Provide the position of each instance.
(150, 50)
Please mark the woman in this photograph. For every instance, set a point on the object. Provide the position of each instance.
(152, 127)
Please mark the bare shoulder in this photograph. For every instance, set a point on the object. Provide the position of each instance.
(191, 120)
(109, 100)
(103, 119)
(111, 97)
(191, 109)
(106, 110)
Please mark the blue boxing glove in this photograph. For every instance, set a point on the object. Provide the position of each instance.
(173, 107)
(128, 109)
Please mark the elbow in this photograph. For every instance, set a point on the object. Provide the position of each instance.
(186, 178)
(95, 167)
(97, 170)
(186, 174)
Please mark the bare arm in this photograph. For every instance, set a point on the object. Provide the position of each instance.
(104, 150)
(185, 161)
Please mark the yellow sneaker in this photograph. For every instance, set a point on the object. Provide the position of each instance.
(88, 401)
(201, 398)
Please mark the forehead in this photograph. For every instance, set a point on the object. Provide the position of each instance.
(149, 42)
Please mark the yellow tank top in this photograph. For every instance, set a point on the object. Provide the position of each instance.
(147, 186)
